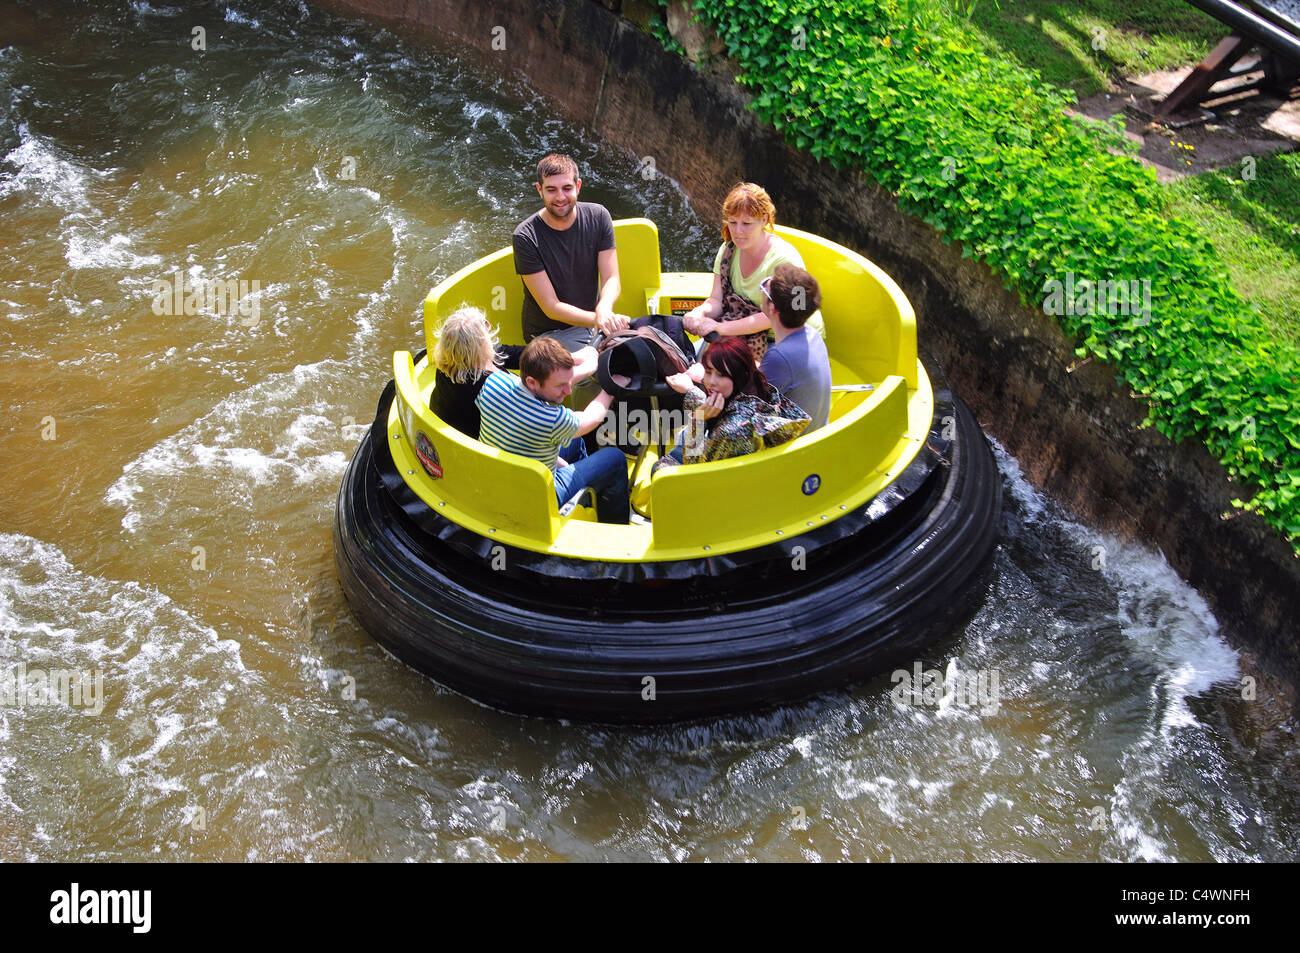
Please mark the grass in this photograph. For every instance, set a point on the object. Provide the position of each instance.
(1084, 44)
(1253, 226)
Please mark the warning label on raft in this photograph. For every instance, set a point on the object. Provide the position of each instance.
(428, 455)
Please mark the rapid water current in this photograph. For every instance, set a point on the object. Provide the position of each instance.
(168, 486)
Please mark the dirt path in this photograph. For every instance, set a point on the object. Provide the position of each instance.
(1251, 126)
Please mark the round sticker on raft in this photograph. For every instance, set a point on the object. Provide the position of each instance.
(428, 455)
(811, 484)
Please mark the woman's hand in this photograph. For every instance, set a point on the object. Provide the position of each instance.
(702, 327)
(679, 382)
(711, 407)
(695, 372)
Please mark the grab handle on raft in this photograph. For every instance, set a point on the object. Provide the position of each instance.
(573, 502)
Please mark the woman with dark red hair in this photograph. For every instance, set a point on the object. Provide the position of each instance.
(736, 413)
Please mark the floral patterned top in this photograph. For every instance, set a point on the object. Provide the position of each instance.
(746, 424)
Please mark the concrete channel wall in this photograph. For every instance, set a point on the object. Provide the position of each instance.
(1073, 429)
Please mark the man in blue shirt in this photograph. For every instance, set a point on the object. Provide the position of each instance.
(524, 416)
(797, 365)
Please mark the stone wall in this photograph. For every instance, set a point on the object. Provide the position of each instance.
(1074, 432)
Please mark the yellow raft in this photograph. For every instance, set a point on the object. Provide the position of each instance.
(819, 562)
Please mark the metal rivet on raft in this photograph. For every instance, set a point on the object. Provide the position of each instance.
(492, 530)
(410, 473)
(706, 547)
(780, 532)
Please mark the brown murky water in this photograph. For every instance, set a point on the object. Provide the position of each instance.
(169, 482)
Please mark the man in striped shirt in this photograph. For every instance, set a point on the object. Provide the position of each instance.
(525, 416)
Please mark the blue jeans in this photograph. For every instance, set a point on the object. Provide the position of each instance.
(605, 471)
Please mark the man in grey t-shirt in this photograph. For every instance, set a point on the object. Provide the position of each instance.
(797, 365)
(566, 257)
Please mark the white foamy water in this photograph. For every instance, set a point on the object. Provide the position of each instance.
(1172, 653)
(1164, 618)
(166, 678)
(281, 430)
(45, 173)
(88, 248)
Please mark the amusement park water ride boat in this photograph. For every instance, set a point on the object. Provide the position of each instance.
(755, 581)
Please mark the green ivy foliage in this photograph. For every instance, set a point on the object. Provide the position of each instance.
(986, 152)
(657, 26)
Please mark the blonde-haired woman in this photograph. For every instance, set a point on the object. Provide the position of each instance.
(750, 252)
(465, 353)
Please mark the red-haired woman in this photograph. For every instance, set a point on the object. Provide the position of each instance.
(750, 252)
(736, 413)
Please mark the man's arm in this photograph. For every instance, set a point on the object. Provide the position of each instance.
(607, 322)
(543, 292)
(585, 361)
(603, 318)
(590, 418)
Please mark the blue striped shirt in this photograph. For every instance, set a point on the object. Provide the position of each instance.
(517, 420)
